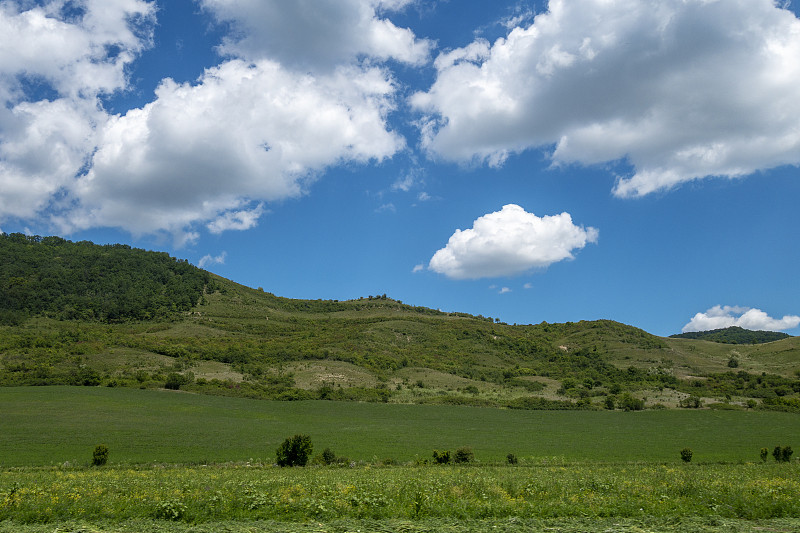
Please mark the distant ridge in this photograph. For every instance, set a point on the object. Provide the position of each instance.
(733, 335)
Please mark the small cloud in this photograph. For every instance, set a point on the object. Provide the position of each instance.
(509, 242)
(211, 260)
(386, 208)
(504, 290)
(720, 317)
(405, 183)
(418, 268)
(424, 197)
(528, 286)
(181, 239)
(236, 220)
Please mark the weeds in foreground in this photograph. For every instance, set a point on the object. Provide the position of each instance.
(209, 494)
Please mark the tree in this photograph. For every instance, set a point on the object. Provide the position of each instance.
(100, 455)
(441, 458)
(686, 455)
(294, 451)
(464, 455)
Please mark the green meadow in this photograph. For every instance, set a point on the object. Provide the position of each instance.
(49, 426)
(182, 462)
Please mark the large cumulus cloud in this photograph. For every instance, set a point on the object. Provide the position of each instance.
(259, 126)
(680, 89)
(510, 242)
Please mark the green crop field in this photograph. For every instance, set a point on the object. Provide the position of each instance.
(45, 426)
(183, 462)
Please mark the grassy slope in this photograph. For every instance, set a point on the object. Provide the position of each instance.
(241, 334)
(52, 425)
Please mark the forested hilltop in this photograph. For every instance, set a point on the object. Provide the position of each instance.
(85, 314)
(734, 335)
(54, 277)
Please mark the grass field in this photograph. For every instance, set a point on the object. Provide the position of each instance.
(324, 495)
(190, 463)
(48, 426)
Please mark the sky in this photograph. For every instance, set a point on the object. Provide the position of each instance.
(631, 160)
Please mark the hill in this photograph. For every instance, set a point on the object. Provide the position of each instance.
(50, 276)
(202, 333)
(734, 335)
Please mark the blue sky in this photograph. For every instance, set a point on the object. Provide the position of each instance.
(529, 161)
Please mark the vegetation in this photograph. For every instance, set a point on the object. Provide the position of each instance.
(205, 495)
(294, 451)
(100, 455)
(53, 426)
(734, 335)
(686, 455)
(50, 276)
(87, 315)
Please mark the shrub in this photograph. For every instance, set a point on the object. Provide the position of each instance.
(692, 402)
(174, 381)
(100, 455)
(294, 451)
(170, 510)
(764, 452)
(512, 459)
(328, 457)
(464, 455)
(629, 403)
(782, 454)
(686, 455)
(786, 453)
(441, 458)
(777, 453)
(610, 402)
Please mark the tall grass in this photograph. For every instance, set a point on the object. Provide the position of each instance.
(208, 494)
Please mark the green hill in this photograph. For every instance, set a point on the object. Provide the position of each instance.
(197, 332)
(734, 335)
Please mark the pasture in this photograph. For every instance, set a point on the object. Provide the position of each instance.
(50, 426)
(181, 462)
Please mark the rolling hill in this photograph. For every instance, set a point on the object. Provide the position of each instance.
(190, 330)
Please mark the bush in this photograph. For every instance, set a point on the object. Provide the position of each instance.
(692, 402)
(782, 454)
(512, 459)
(464, 455)
(786, 454)
(441, 458)
(294, 451)
(686, 455)
(629, 403)
(175, 380)
(764, 452)
(100, 455)
(328, 457)
(610, 402)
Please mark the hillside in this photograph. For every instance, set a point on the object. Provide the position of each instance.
(237, 341)
(734, 335)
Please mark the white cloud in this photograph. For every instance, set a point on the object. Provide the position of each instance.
(418, 268)
(45, 139)
(681, 89)
(509, 242)
(504, 290)
(212, 260)
(317, 33)
(250, 130)
(246, 132)
(720, 317)
(236, 220)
